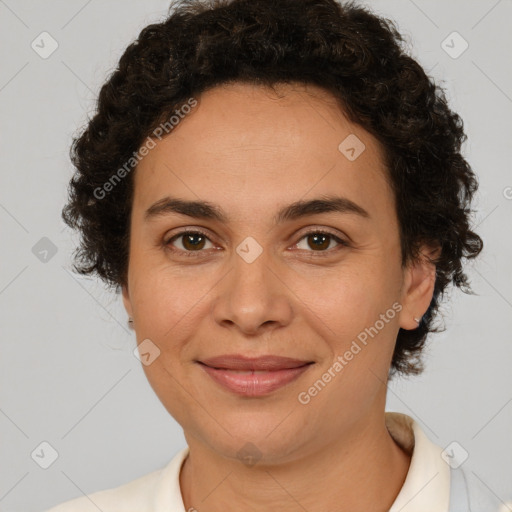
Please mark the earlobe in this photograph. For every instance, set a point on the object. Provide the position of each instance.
(126, 300)
(418, 289)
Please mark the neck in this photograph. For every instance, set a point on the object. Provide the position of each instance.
(363, 469)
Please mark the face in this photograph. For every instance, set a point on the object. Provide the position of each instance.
(261, 278)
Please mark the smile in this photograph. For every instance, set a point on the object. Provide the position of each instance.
(251, 380)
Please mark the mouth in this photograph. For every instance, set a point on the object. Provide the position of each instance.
(242, 363)
(253, 377)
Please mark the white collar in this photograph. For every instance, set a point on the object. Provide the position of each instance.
(426, 487)
(427, 484)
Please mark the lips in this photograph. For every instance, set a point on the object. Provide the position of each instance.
(262, 363)
(253, 377)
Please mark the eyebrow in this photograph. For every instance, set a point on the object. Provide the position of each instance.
(293, 211)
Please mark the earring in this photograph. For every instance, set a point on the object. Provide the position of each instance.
(130, 320)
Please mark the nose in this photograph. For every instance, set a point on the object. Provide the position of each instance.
(253, 298)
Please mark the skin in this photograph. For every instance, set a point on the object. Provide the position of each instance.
(252, 152)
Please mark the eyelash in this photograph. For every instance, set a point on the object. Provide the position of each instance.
(198, 254)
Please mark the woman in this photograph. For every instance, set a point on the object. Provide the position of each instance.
(277, 190)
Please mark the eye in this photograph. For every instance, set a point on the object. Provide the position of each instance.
(192, 242)
(319, 241)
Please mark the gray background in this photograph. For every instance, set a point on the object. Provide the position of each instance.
(67, 369)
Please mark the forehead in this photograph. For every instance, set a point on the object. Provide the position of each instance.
(248, 147)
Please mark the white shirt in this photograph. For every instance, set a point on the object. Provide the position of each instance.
(431, 485)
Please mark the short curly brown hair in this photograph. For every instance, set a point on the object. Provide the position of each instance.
(344, 48)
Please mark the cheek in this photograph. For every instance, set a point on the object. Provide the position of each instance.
(163, 306)
(168, 301)
(351, 295)
(355, 312)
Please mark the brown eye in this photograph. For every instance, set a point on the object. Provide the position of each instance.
(191, 241)
(319, 241)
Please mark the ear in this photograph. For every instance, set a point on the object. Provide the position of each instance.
(126, 300)
(418, 287)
